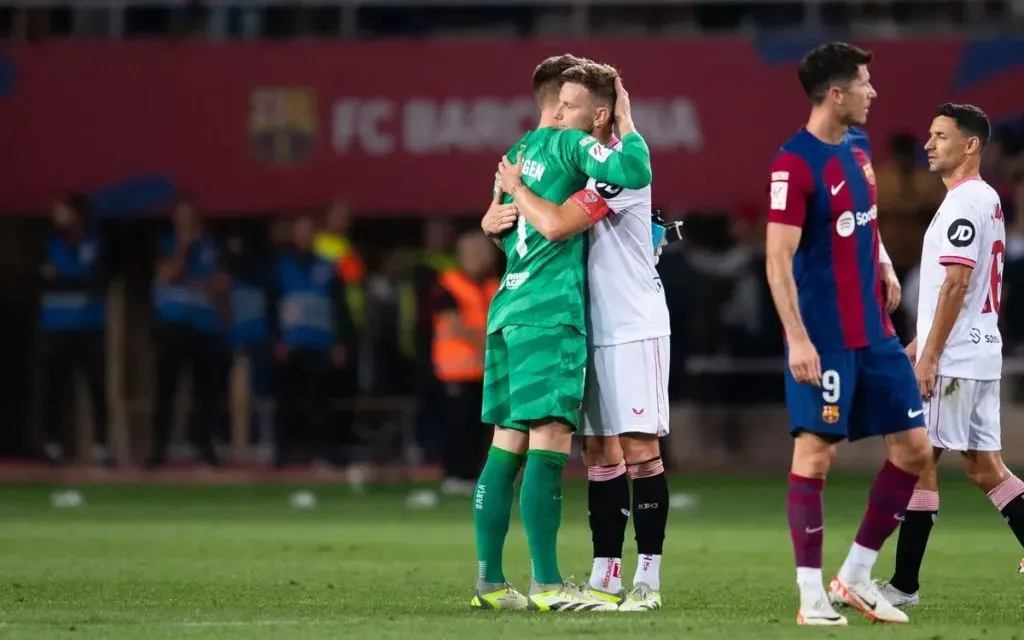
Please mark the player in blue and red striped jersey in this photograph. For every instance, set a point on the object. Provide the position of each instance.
(848, 376)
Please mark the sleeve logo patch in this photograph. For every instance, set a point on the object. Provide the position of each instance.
(779, 194)
(961, 232)
(600, 153)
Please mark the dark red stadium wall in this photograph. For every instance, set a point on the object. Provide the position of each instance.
(417, 127)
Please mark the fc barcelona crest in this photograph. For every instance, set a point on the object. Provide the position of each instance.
(869, 173)
(830, 414)
(282, 123)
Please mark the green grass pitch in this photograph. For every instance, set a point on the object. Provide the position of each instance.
(238, 562)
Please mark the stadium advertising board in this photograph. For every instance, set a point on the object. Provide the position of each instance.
(401, 128)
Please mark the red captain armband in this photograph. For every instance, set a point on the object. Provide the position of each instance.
(592, 204)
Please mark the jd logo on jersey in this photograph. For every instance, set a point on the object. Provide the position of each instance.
(282, 123)
(960, 232)
(607, 191)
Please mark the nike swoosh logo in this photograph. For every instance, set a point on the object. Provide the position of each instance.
(913, 414)
(836, 188)
(814, 530)
(829, 618)
(869, 605)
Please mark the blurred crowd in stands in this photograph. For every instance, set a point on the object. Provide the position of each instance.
(386, 287)
(386, 310)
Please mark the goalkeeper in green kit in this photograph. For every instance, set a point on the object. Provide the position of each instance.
(536, 349)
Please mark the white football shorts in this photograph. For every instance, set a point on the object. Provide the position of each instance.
(963, 415)
(627, 389)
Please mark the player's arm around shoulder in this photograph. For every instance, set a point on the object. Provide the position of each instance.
(553, 221)
(629, 167)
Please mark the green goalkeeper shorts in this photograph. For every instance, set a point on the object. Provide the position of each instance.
(534, 374)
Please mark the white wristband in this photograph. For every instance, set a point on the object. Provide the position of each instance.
(883, 255)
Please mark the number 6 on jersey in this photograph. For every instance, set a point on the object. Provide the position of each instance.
(995, 278)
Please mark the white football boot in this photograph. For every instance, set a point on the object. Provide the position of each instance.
(815, 611)
(641, 598)
(895, 597)
(868, 599)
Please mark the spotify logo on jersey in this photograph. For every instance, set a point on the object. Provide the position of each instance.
(846, 224)
(848, 221)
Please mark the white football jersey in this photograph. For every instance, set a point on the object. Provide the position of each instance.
(968, 229)
(627, 301)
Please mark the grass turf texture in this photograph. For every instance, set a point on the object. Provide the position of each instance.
(238, 562)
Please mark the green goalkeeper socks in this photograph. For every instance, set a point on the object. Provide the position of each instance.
(540, 504)
(492, 509)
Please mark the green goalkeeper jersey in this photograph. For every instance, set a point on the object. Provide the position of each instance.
(545, 282)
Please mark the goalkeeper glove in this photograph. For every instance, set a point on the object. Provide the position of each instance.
(662, 233)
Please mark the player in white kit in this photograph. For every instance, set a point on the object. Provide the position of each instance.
(958, 349)
(626, 402)
(625, 408)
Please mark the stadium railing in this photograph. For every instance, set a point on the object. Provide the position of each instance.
(709, 435)
(706, 435)
(703, 365)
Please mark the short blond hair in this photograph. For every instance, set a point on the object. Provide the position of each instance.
(599, 80)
